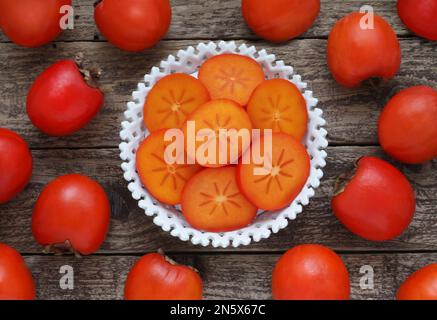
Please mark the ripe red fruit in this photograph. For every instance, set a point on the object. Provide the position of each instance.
(280, 20)
(16, 282)
(60, 101)
(356, 54)
(420, 16)
(155, 277)
(421, 285)
(407, 126)
(15, 164)
(378, 203)
(71, 213)
(133, 25)
(31, 23)
(310, 272)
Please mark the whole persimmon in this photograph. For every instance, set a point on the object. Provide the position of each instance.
(15, 164)
(16, 282)
(421, 285)
(31, 23)
(61, 101)
(71, 214)
(156, 277)
(407, 126)
(359, 49)
(420, 16)
(280, 20)
(377, 203)
(310, 272)
(133, 25)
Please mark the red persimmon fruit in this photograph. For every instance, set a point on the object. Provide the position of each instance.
(378, 203)
(15, 164)
(358, 51)
(156, 277)
(310, 272)
(31, 23)
(60, 101)
(420, 16)
(280, 20)
(407, 126)
(16, 282)
(421, 285)
(133, 25)
(71, 213)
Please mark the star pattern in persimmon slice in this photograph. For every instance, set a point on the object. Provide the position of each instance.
(276, 170)
(172, 99)
(231, 76)
(277, 104)
(211, 201)
(212, 122)
(220, 198)
(163, 180)
(275, 183)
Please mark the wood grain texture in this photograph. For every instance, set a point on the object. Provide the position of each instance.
(224, 276)
(222, 19)
(242, 273)
(351, 114)
(132, 232)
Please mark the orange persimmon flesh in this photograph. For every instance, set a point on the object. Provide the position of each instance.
(286, 172)
(172, 99)
(219, 116)
(165, 182)
(231, 76)
(211, 201)
(277, 104)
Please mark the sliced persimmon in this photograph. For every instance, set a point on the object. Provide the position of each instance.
(275, 183)
(231, 76)
(217, 133)
(211, 201)
(277, 104)
(172, 99)
(164, 181)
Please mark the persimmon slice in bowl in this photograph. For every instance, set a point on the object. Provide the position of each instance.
(231, 76)
(213, 129)
(172, 99)
(164, 181)
(212, 201)
(277, 104)
(280, 179)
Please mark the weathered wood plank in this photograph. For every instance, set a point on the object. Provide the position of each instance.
(225, 276)
(222, 19)
(351, 114)
(132, 232)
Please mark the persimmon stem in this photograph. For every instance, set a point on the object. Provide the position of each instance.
(61, 249)
(343, 179)
(90, 75)
(174, 263)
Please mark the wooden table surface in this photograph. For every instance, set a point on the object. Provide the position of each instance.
(242, 273)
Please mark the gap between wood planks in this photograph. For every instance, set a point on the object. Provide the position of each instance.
(219, 252)
(251, 39)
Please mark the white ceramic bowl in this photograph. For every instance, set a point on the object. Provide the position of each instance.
(170, 218)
